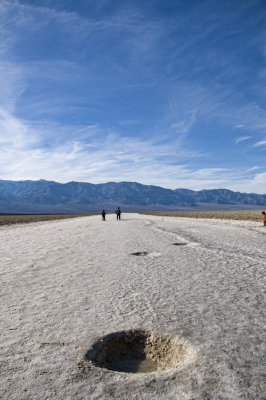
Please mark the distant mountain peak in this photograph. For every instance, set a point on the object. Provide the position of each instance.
(49, 196)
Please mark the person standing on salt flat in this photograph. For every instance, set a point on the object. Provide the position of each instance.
(103, 215)
(264, 218)
(118, 213)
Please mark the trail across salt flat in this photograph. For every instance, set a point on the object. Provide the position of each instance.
(64, 284)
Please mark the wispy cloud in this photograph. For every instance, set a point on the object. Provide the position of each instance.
(90, 153)
(96, 156)
(131, 93)
(254, 184)
(253, 168)
(242, 139)
(260, 143)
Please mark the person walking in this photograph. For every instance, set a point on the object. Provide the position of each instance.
(118, 213)
(264, 218)
(103, 215)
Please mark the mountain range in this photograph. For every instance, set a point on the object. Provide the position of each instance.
(52, 197)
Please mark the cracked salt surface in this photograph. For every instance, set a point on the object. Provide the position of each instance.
(68, 283)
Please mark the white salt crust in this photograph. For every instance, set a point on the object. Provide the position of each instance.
(65, 284)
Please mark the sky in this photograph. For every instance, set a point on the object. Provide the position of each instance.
(162, 92)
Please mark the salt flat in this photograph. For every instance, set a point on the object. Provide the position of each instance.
(67, 283)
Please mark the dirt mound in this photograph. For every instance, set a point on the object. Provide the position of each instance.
(140, 253)
(138, 351)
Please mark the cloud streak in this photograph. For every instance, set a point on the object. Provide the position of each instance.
(260, 143)
(242, 139)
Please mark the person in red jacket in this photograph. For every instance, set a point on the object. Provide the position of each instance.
(264, 218)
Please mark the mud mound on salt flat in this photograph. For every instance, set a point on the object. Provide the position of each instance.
(139, 351)
(140, 253)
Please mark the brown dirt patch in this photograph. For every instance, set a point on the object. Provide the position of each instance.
(9, 219)
(242, 215)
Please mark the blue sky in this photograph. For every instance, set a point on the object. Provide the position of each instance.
(162, 92)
